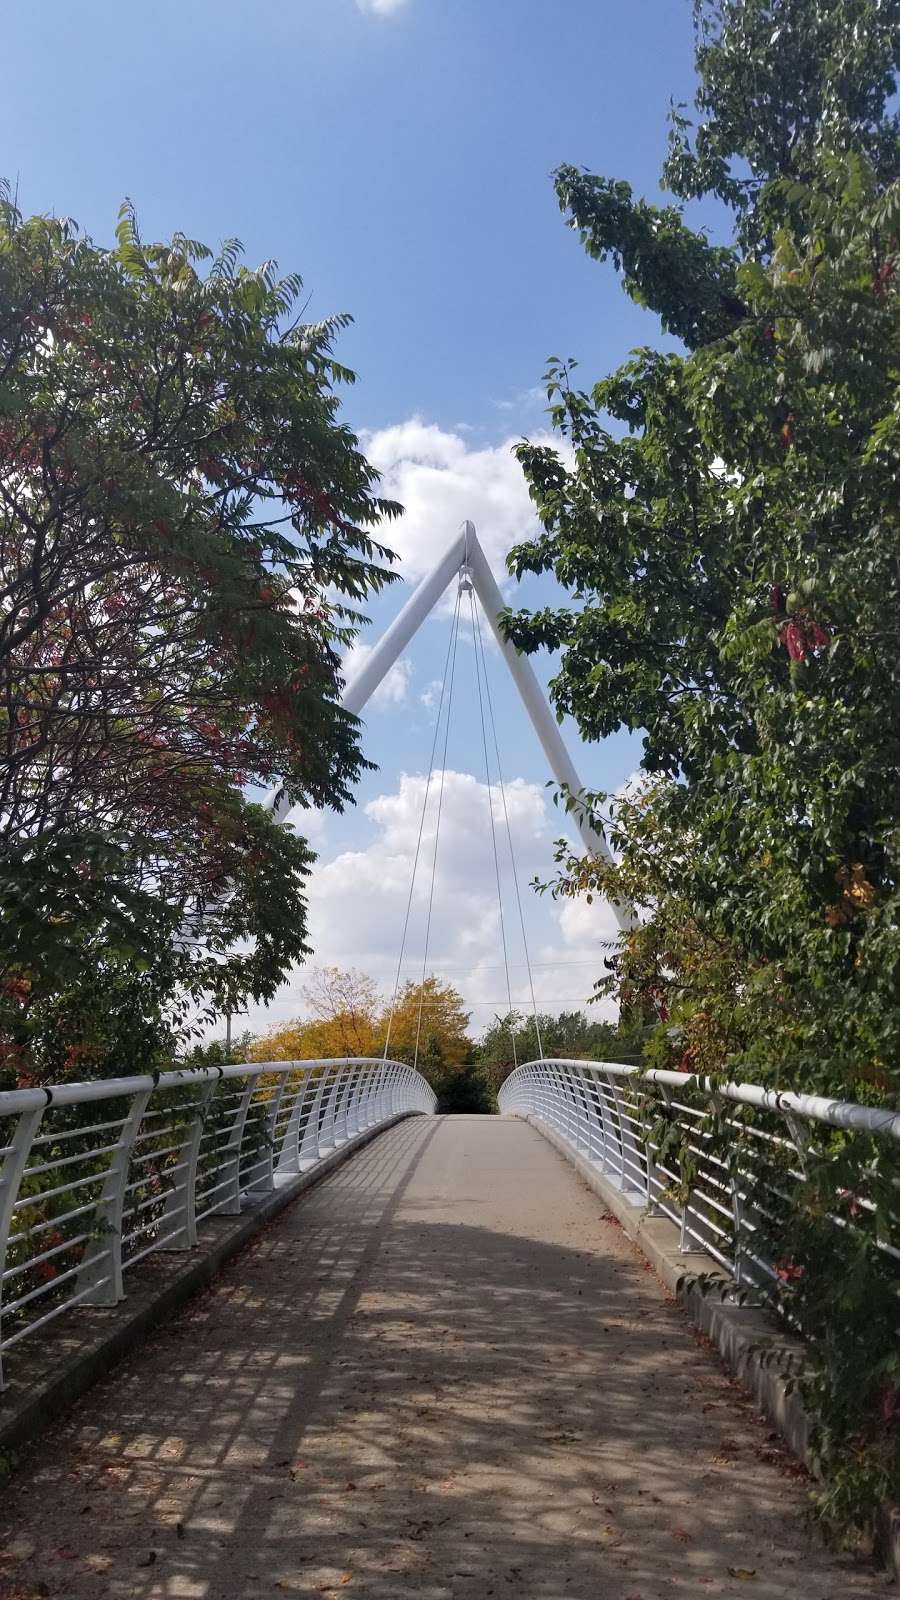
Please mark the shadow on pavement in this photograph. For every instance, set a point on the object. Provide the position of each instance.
(443, 1373)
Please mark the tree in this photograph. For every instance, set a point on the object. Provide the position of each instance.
(185, 538)
(568, 1035)
(432, 1013)
(347, 1002)
(346, 1008)
(728, 531)
(351, 1018)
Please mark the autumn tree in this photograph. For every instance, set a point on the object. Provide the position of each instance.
(425, 1024)
(185, 540)
(345, 1008)
(725, 521)
(432, 1014)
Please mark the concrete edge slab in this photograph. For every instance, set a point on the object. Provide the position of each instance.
(749, 1341)
(87, 1343)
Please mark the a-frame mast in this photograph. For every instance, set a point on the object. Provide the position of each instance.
(465, 557)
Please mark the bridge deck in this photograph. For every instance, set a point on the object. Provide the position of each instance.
(443, 1373)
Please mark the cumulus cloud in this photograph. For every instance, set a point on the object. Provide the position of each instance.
(358, 902)
(393, 689)
(441, 479)
(358, 897)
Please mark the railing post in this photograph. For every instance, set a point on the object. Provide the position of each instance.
(391, 1087)
(184, 1236)
(263, 1181)
(609, 1125)
(628, 1145)
(309, 1148)
(230, 1164)
(582, 1115)
(103, 1278)
(289, 1155)
(14, 1163)
(328, 1140)
(342, 1107)
(653, 1173)
(370, 1106)
(556, 1099)
(386, 1091)
(571, 1108)
(356, 1099)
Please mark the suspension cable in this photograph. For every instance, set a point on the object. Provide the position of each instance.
(512, 857)
(487, 774)
(412, 885)
(437, 829)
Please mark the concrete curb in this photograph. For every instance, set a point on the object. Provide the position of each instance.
(745, 1337)
(85, 1344)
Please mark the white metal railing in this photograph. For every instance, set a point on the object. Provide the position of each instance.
(96, 1176)
(651, 1134)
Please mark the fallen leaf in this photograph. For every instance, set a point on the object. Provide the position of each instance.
(742, 1572)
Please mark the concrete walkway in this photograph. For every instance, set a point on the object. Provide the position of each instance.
(443, 1373)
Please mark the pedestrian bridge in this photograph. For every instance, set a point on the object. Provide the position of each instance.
(443, 1371)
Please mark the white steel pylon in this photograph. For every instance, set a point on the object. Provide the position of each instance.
(465, 558)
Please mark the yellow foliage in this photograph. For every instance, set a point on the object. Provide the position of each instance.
(351, 1018)
(444, 1022)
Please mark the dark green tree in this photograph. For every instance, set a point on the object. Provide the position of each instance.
(727, 528)
(186, 534)
(567, 1035)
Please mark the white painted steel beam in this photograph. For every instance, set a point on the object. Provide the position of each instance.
(531, 694)
(405, 626)
(465, 551)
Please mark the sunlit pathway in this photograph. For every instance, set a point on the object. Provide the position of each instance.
(443, 1373)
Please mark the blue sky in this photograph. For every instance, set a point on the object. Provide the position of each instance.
(398, 154)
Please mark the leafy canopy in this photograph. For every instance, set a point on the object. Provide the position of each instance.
(727, 531)
(185, 541)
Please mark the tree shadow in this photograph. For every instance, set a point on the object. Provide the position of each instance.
(386, 1396)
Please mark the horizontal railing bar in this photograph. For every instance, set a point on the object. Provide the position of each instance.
(814, 1108)
(63, 1188)
(47, 1255)
(69, 1161)
(57, 1311)
(14, 1101)
(73, 1133)
(51, 1283)
(190, 1143)
(723, 1201)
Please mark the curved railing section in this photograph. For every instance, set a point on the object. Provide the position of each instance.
(719, 1159)
(96, 1176)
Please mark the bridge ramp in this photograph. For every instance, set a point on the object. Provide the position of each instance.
(444, 1373)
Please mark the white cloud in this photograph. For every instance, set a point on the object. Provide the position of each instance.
(381, 8)
(358, 903)
(441, 480)
(358, 897)
(523, 401)
(393, 689)
(430, 695)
